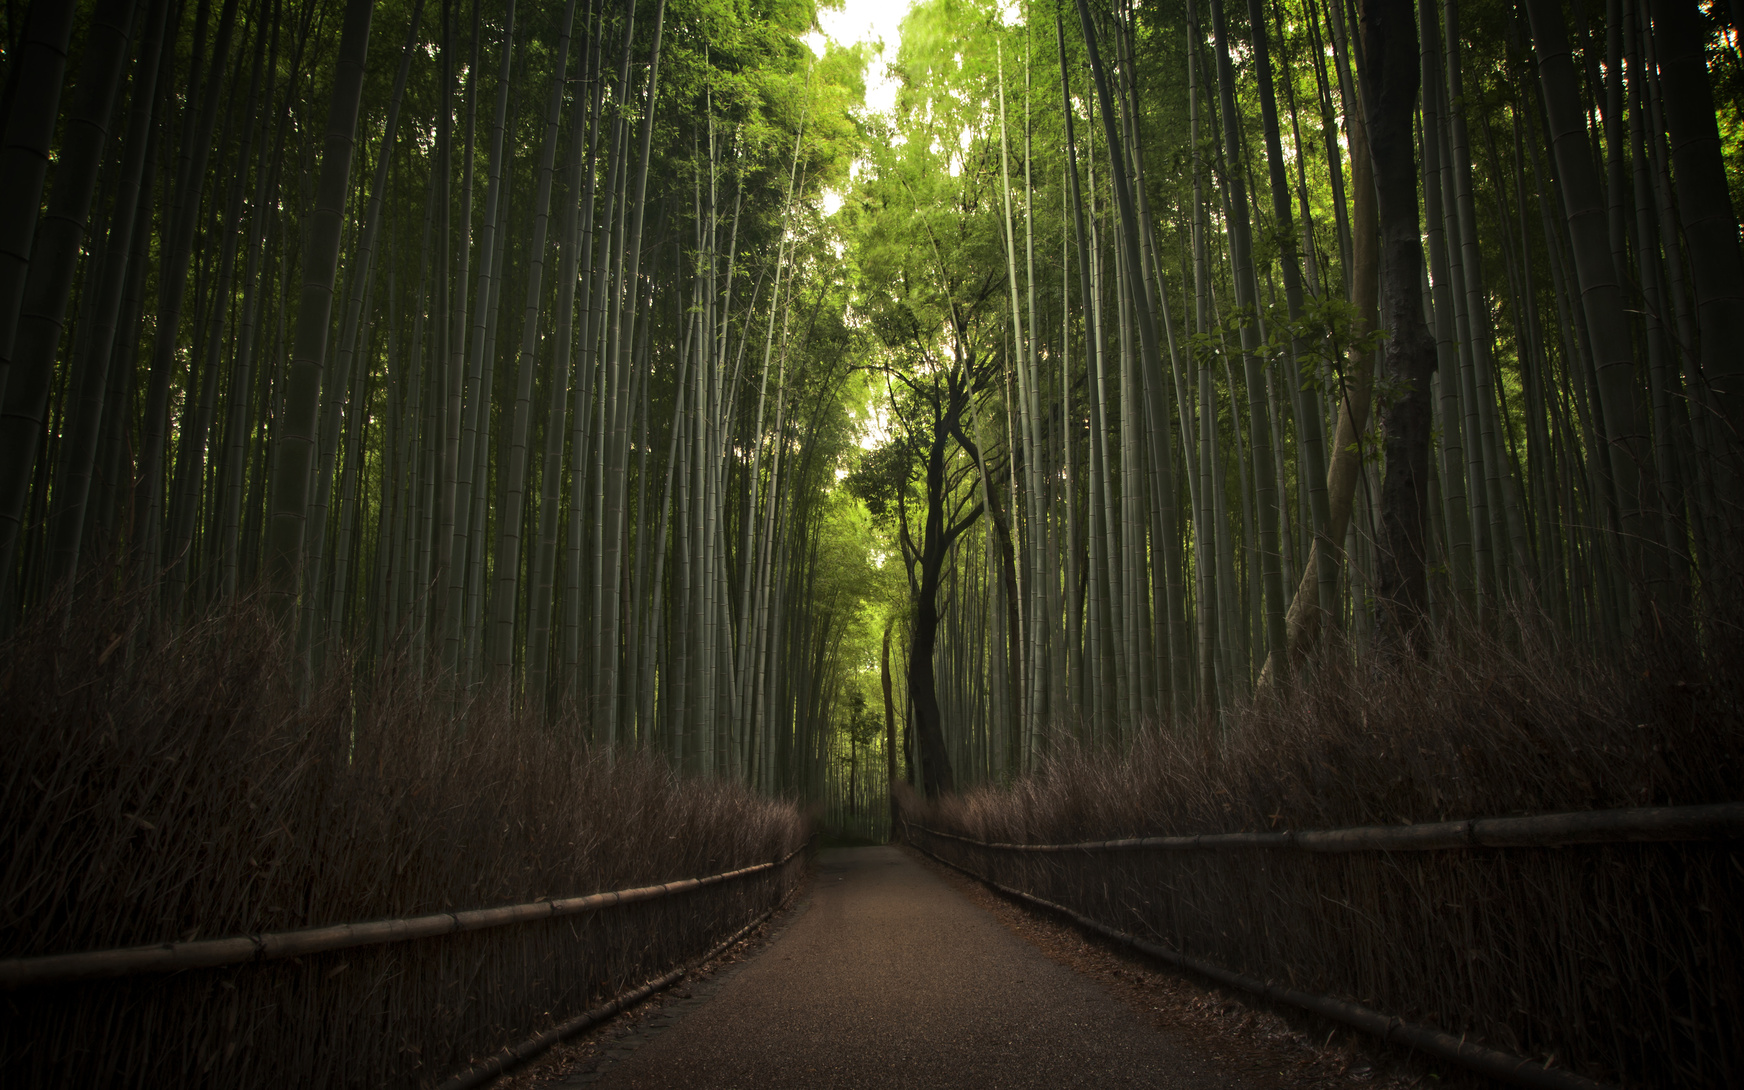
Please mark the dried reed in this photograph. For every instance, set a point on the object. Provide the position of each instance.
(163, 784)
(1619, 961)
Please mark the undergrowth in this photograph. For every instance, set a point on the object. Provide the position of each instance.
(1619, 960)
(1477, 726)
(169, 783)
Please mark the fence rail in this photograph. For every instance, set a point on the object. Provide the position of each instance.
(513, 1056)
(1241, 917)
(1647, 824)
(1516, 1070)
(17, 973)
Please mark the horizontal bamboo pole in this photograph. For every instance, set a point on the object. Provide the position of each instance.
(16, 973)
(515, 1055)
(1492, 1062)
(1647, 824)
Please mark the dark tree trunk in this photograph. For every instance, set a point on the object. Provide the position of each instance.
(1391, 76)
(889, 727)
(1711, 237)
(922, 684)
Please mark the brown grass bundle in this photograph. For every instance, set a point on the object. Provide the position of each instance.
(162, 784)
(1620, 960)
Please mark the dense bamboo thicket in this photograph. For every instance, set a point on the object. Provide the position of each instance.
(499, 339)
(1199, 339)
(1224, 341)
(173, 788)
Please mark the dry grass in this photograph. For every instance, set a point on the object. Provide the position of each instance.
(158, 787)
(1621, 961)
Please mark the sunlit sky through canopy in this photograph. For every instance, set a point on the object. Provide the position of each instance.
(866, 21)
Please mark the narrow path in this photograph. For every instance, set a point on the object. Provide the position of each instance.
(891, 978)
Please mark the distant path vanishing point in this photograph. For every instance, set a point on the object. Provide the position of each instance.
(891, 978)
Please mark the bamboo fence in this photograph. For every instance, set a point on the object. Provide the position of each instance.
(361, 1004)
(1638, 825)
(1597, 940)
(513, 1056)
(17, 973)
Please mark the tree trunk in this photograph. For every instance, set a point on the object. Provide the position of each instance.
(1391, 76)
(1711, 239)
(936, 775)
(1345, 468)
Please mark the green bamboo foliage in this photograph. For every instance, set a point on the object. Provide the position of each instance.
(1437, 376)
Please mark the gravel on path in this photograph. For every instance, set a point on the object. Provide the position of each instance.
(891, 978)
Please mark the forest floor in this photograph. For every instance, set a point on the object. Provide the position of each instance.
(888, 970)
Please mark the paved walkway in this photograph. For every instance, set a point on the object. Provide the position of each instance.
(891, 978)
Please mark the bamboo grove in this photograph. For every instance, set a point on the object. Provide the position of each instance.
(489, 337)
(1222, 337)
(527, 345)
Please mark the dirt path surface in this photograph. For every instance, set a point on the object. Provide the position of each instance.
(892, 978)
